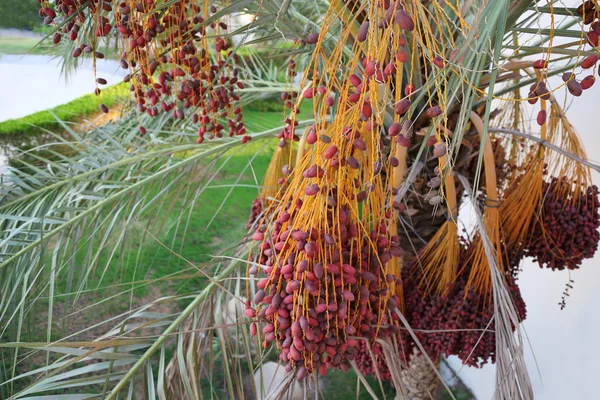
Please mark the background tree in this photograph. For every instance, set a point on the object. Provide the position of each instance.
(20, 15)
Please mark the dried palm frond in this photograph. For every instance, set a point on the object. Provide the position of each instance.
(511, 367)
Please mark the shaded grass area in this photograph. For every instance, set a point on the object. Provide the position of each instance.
(191, 229)
(73, 110)
(165, 249)
(215, 221)
(343, 386)
(22, 14)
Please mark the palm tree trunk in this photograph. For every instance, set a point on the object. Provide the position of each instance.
(419, 381)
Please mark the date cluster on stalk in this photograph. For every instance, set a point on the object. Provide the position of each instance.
(566, 231)
(322, 286)
(377, 71)
(575, 86)
(178, 57)
(457, 322)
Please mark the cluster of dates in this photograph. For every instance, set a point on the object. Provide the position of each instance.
(458, 322)
(178, 58)
(322, 286)
(566, 231)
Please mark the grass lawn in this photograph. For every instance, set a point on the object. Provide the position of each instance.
(21, 45)
(83, 106)
(215, 221)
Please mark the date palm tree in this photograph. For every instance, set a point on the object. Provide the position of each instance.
(394, 117)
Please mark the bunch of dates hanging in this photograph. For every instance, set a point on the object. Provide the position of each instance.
(321, 286)
(177, 60)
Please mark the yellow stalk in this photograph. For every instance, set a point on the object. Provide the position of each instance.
(395, 264)
(452, 258)
(400, 152)
(480, 275)
(302, 147)
(523, 197)
(440, 257)
(281, 157)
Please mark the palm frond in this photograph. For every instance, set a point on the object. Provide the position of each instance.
(101, 217)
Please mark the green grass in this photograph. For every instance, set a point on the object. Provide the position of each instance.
(73, 110)
(21, 45)
(201, 239)
(342, 385)
(269, 105)
(227, 202)
(216, 221)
